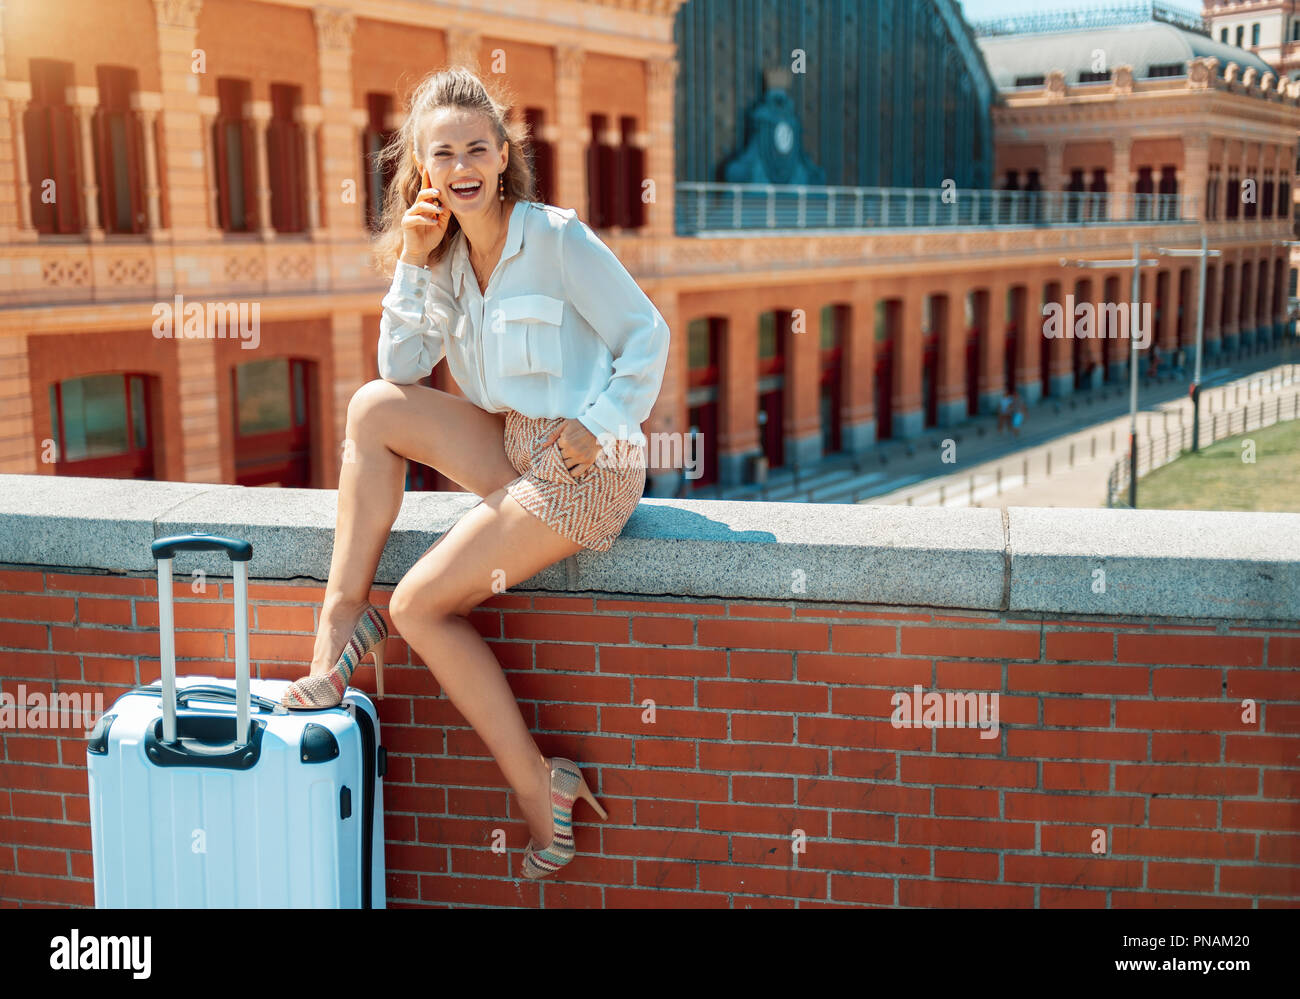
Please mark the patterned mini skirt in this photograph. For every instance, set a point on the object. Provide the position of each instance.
(590, 511)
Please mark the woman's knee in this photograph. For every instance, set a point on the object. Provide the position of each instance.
(370, 402)
(412, 603)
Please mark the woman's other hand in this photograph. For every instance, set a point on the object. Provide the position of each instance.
(579, 447)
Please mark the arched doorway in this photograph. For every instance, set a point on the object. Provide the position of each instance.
(273, 402)
(886, 330)
(929, 362)
(703, 394)
(1051, 293)
(104, 425)
(1011, 341)
(1080, 347)
(834, 324)
(976, 312)
(773, 327)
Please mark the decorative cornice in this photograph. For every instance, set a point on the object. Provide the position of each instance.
(177, 13)
(568, 60)
(654, 8)
(661, 74)
(463, 43)
(1122, 80)
(334, 27)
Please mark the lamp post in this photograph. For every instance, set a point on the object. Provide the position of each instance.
(1204, 253)
(1137, 263)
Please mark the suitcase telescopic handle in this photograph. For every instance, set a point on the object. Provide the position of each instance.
(240, 552)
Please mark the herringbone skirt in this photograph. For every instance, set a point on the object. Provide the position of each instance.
(590, 511)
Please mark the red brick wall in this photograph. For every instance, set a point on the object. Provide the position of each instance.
(770, 717)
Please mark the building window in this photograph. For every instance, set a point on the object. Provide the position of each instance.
(631, 214)
(119, 152)
(285, 158)
(600, 175)
(378, 175)
(1241, 35)
(1088, 76)
(543, 156)
(102, 426)
(1167, 69)
(1254, 34)
(50, 131)
(232, 144)
(1295, 30)
(1031, 81)
(1223, 36)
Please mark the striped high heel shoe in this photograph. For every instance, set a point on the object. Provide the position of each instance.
(312, 693)
(567, 785)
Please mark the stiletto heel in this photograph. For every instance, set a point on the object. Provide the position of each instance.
(590, 799)
(312, 693)
(567, 785)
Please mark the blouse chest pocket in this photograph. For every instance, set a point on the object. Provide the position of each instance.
(527, 329)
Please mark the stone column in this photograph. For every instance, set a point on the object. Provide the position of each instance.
(208, 108)
(19, 450)
(20, 215)
(1120, 181)
(310, 119)
(1061, 346)
(574, 133)
(84, 101)
(1031, 336)
(343, 196)
(1195, 174)
(669, 413)
(1246, 295)
(909, 420)
(259, 112)
(803, 439)
(347, 345)
(1054, 178)
(993, 358)
(1214, 281)
(661, 82)
(948, 325)
(859, 428)
(191, 196)
(738, 415)
(147, 106)
(199, 435)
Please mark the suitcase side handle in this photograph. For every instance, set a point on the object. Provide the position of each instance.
(240, 553)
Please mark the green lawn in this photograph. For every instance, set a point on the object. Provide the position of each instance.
(1217, 478)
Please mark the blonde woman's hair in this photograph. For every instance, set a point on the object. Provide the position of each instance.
(457, 87)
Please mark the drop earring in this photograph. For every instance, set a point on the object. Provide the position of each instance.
(501, 187)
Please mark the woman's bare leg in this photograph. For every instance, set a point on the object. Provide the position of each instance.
(496, 539)
(386, 424)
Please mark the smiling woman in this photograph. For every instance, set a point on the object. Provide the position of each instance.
(559, 356)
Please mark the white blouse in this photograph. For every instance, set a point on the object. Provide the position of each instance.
(563, 329)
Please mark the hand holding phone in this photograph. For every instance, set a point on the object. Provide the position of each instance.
(424, 223)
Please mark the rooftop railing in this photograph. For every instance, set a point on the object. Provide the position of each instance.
(1101, 16)
(710, 207)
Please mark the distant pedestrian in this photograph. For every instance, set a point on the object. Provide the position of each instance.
(1153, 365)
(1180, 362)
(1004, 411)
(1017, 414)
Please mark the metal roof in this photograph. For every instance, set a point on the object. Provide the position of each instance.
(1141, 46)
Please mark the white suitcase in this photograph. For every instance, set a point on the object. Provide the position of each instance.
(215, 806)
